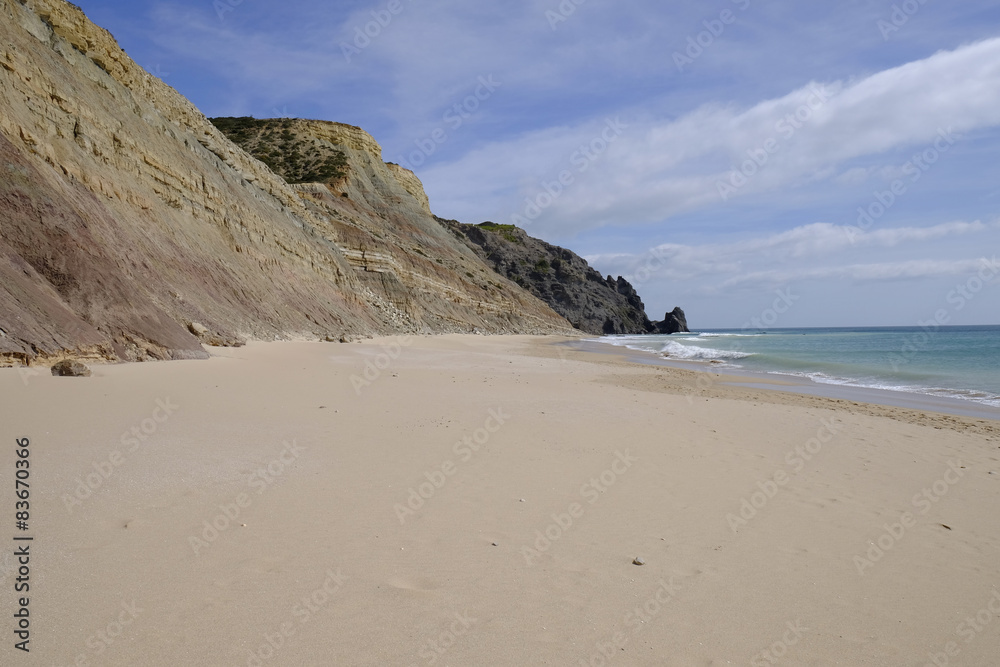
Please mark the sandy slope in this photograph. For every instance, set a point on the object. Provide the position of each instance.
(632, 461)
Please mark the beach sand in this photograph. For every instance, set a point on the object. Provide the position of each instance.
(480, 500)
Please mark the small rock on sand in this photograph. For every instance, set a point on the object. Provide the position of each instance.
(70, 368)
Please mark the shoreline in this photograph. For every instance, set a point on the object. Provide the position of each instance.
(776, 381)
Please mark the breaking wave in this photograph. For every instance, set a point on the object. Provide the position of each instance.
(675, 350)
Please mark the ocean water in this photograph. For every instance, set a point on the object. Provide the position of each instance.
(951, 362)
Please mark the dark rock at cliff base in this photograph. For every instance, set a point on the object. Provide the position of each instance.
(673, 322)
(70, 368)
(559, 277)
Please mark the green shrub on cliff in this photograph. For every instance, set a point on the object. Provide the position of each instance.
(506, 231)
(274, 142)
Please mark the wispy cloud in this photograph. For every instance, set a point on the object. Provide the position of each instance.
(805, 246)
(883, 271)
(662, 168)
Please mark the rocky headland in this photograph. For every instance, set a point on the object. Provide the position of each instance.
(564, 280)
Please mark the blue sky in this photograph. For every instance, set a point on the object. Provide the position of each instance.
(715, 153)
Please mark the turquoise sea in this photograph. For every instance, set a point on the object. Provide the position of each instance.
(961, 362)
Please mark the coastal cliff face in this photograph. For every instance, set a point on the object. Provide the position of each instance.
(378, 216)
(126, 216)
(560, 277)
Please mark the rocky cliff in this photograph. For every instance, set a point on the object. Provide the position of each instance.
(559, 277)
(126, 216)
(673, 322)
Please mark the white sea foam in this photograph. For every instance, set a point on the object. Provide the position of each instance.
(694, 347)
(632, 342)
(675, 350)
(728, 335)
(985, 398)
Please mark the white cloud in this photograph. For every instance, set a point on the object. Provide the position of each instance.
(882, 271)
(892, 237)
(808, 252)
(660, 168)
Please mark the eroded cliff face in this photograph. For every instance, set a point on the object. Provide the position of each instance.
(125, 215)
(379, 217)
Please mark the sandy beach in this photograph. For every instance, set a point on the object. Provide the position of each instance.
(472, 500)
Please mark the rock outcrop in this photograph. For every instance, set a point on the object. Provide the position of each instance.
(560, 277)
(673, 322)
(125, 215)
(70, 368)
